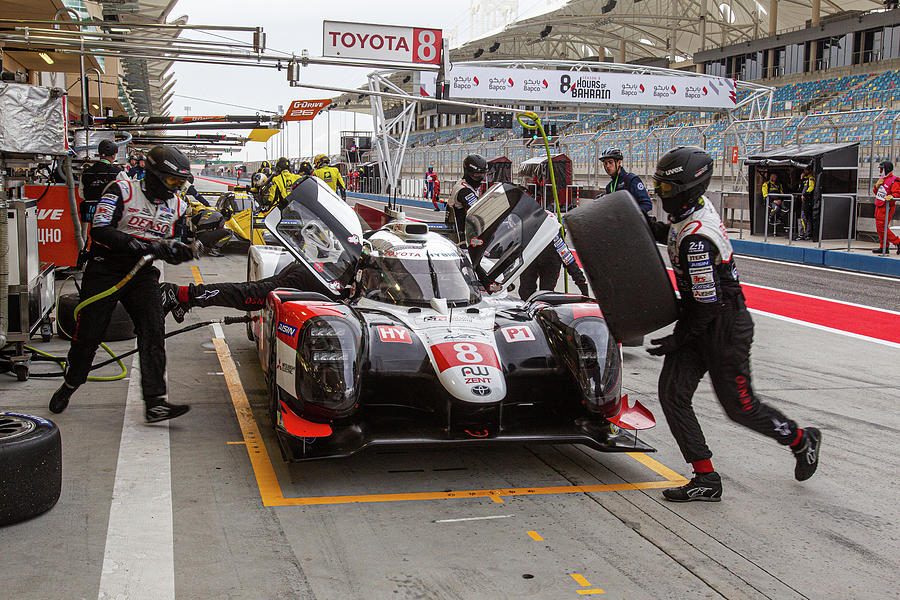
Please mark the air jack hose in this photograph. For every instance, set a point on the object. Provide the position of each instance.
(535, 123)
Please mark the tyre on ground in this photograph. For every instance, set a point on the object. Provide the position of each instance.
(30, 466)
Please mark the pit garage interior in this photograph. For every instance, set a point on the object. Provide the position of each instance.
(204, 506)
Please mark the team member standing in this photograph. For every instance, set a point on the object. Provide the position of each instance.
(776, 208)
(714, 331)
(622, 180)
(96, 177)
(281, 182)
(465, 193)
(546, 266)
(330, 175)
(809, 207)
(887, 188)
(132, 219)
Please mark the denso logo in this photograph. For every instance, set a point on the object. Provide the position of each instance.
(287, 329)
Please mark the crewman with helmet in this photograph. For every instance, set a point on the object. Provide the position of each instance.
(281, 182)
(465, 193)
(305, 169)
(714, 331)
(96, 177)
(330, 175)
(132, 219)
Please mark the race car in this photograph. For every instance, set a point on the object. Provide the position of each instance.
(419, 342)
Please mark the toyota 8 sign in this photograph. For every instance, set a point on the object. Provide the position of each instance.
(386, 43)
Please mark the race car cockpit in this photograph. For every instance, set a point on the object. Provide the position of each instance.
(416, 277)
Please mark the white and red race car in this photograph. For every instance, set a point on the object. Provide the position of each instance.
(421, 343)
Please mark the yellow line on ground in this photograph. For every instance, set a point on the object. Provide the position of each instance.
(195, 271)
(581, 580)
(241, 442)
(658, 467)
(269, 489)
(589, 592)
(535, 536)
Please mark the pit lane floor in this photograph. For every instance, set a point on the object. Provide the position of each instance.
(179, 511)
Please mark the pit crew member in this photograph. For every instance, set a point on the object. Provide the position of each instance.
(714, 331)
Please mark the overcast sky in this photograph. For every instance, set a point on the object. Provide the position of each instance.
(292, 26)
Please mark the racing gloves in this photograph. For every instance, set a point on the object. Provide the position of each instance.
(664, 345)
(173, 253)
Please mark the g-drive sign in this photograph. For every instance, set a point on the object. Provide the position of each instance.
(381, 42)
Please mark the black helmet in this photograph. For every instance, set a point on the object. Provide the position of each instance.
(107, 148)
(306, 167)
(474, 168)
(682, 175)
(887, 166)
(612, 152)
(169, 165)
(281, 164)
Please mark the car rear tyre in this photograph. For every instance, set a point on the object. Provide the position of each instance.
(30, 466)
(120, 325)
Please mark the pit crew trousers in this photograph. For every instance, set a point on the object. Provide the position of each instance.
(251, 295)
(724, 351)
(142, 301)
(546, 267)
(881, 215)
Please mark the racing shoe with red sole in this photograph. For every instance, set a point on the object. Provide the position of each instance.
(704, 487)
(807, 454)
(157, 409)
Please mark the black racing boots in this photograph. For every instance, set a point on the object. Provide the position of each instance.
(60, 399)
(706, 487)
(157, 409)
(807, 453)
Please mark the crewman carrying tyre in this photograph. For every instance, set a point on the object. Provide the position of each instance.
(330, 175)
(714, 331)
(132, 219)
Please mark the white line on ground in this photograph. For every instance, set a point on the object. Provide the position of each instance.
(217, 330)
(816, 268)
(824, 328)
(473, 519)
(139, 561)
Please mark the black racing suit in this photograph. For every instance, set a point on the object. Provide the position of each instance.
(546, 266)
(251, 295)
(463, 195)
(119, 237)
(713, 333)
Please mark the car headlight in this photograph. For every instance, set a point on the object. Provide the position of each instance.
(327, 374)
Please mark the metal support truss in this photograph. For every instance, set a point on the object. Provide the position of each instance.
(391, 133)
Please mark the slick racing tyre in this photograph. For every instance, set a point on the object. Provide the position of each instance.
(30, 466)
(120, 326)
(623, 265)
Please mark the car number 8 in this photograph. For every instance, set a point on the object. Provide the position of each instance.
(467, 353)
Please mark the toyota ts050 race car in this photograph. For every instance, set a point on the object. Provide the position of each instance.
(420, 343)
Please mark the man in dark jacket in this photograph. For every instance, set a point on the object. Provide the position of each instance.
(96, 177)
(622, 180)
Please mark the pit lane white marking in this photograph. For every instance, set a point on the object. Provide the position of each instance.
(816, 268)
(473, 519)
(828, 329)
(217, 330)
(139, 560)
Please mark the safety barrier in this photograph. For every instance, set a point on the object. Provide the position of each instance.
(850, 220)
(727, 202)
(784, 198)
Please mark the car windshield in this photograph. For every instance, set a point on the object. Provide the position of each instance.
(413, 276)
